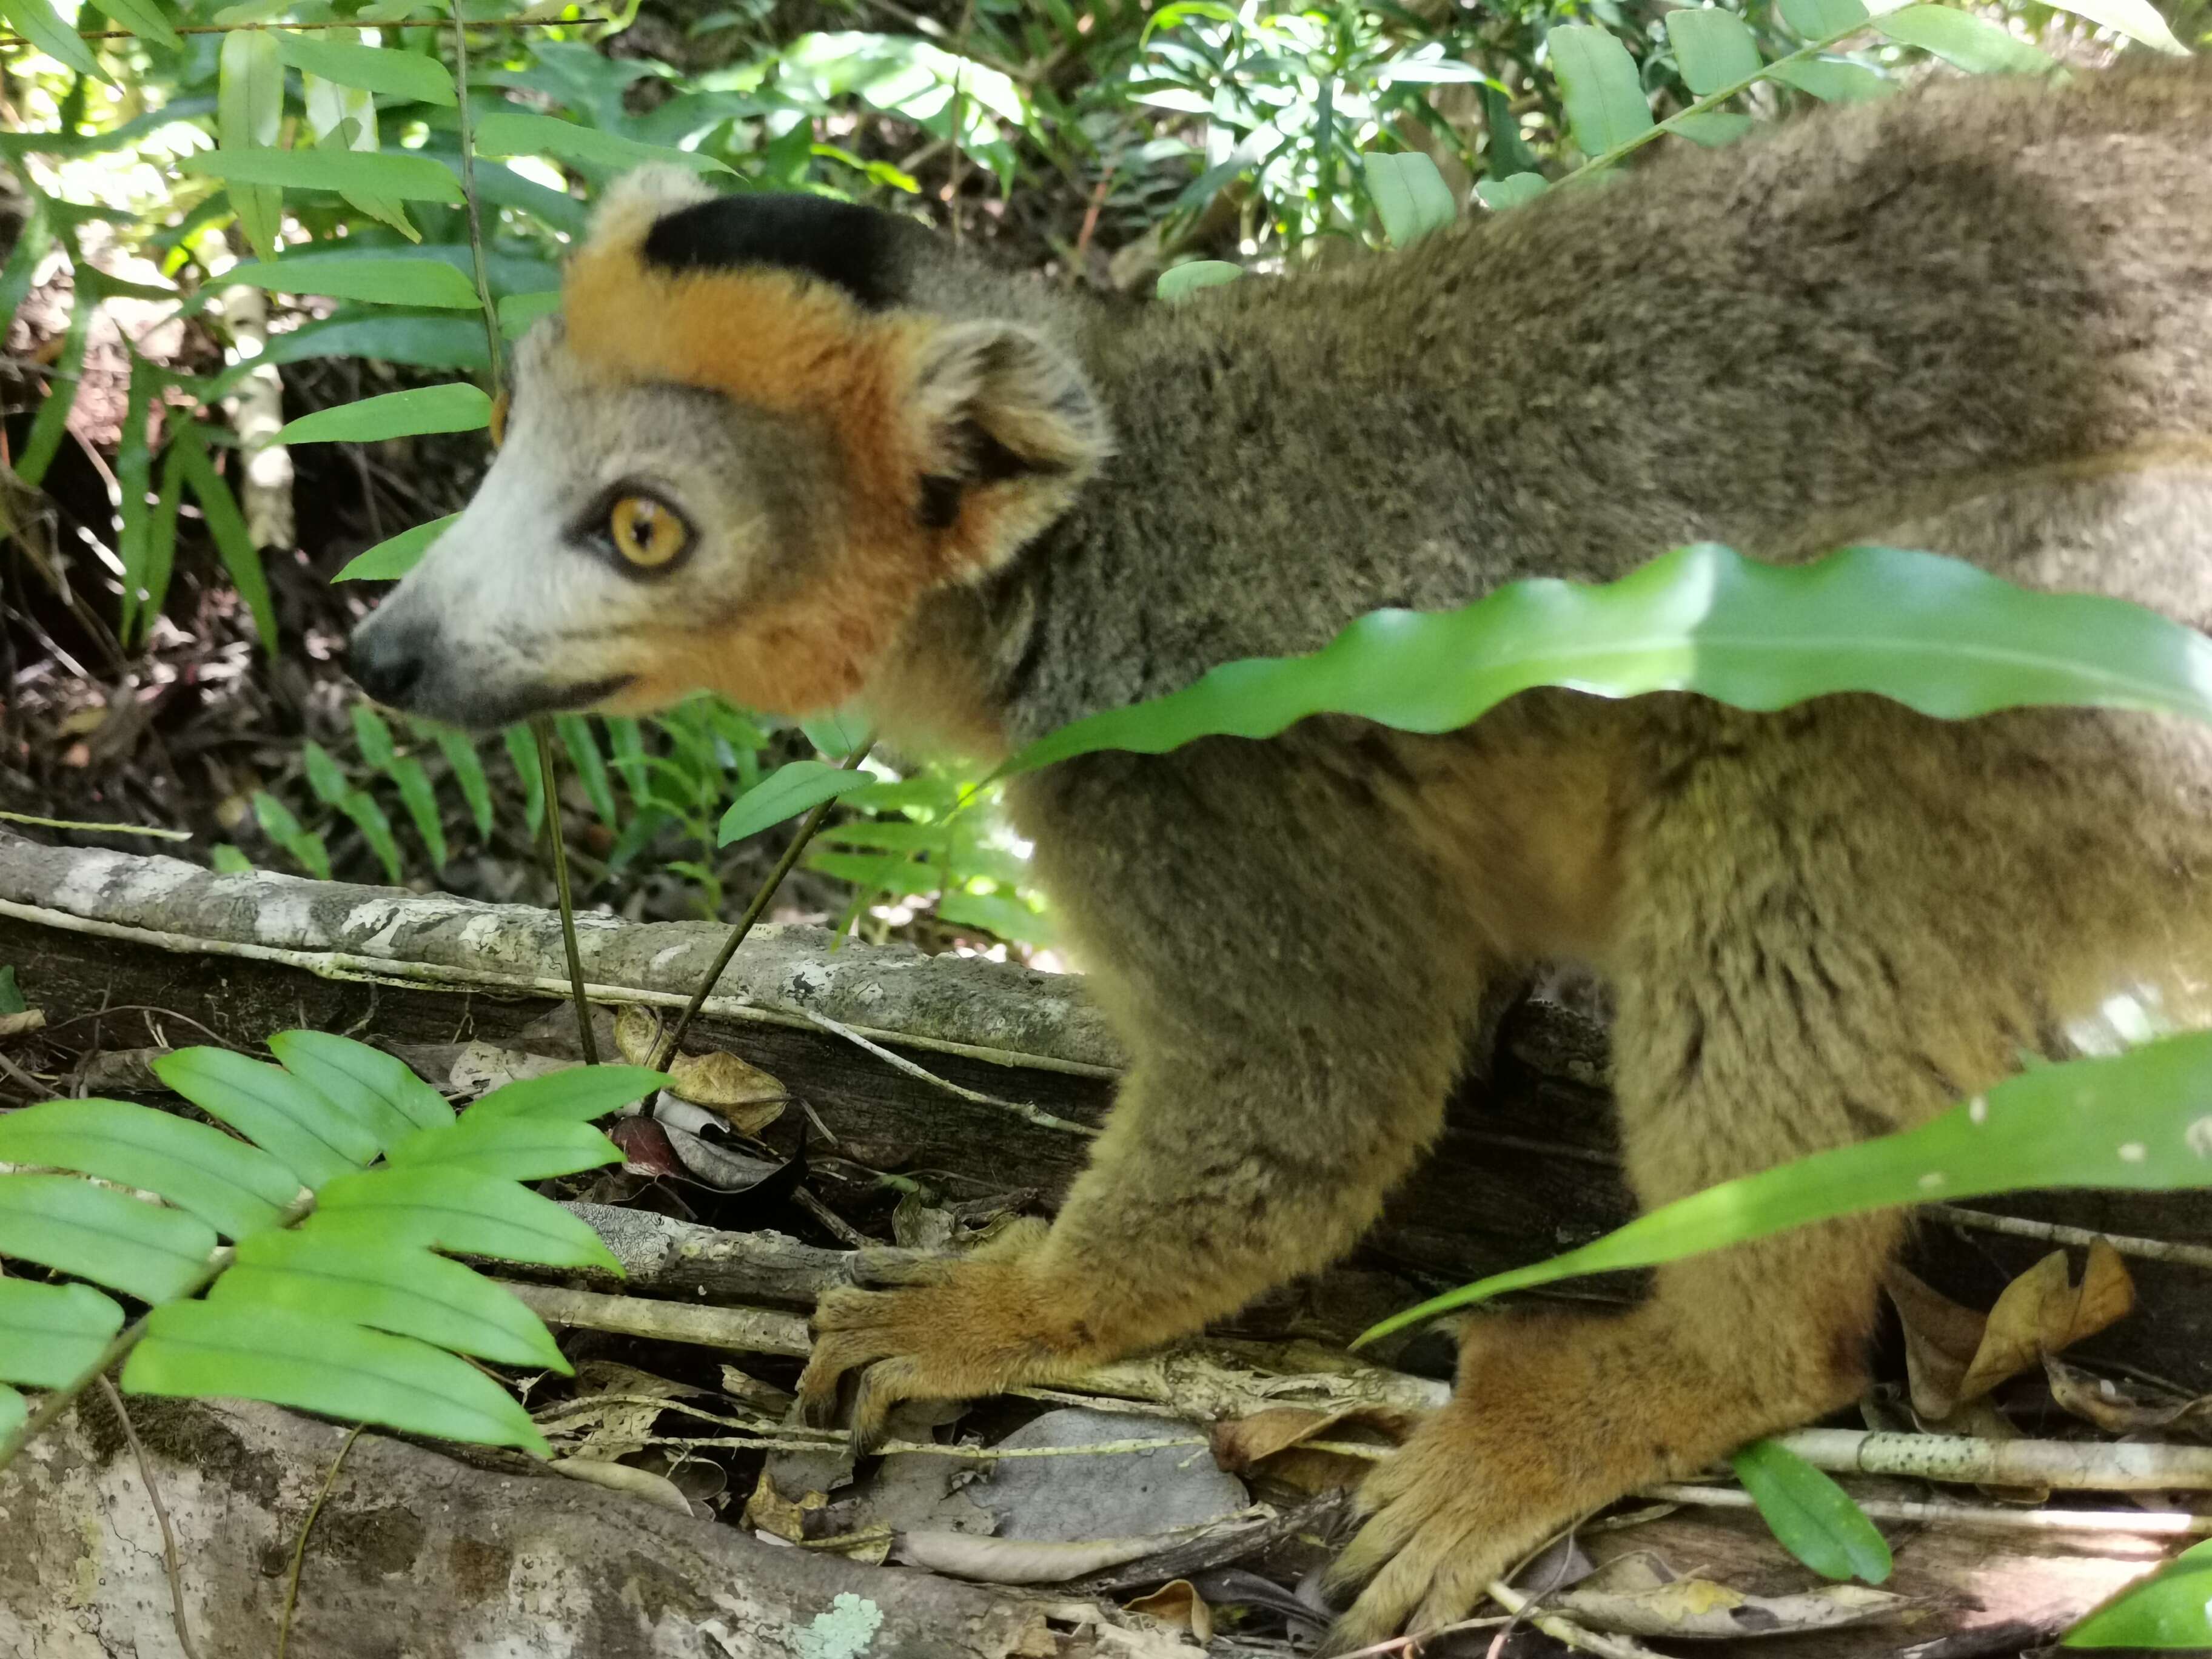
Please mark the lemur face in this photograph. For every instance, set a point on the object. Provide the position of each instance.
(736, 462)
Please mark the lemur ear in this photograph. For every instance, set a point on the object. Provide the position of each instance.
(1007, 430)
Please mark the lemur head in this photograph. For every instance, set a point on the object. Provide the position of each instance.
(762, 429)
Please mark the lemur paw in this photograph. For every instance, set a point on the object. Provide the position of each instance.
(940, 1328)
(1454, 1508)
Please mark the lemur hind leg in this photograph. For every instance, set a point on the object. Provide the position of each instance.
(1834, 922)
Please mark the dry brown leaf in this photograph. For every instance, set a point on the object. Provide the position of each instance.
(637, 1034)
(1276, 1438)
(770, 1511)
(1021, 1560)
(1701, 1608)
(1941, 1339)
(1238, 1445)
(2043, 1312)
(656, 1489)
(14, 1025)
(745, 1095)
(1177, 1602)
(2116, 1407)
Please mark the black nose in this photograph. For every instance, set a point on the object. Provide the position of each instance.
(387, 660)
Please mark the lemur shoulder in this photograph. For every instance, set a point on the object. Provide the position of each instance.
(801, 452)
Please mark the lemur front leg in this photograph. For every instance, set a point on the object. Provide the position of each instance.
(1295, 1020)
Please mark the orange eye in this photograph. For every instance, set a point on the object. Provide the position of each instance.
(646, 532)
(499, 419)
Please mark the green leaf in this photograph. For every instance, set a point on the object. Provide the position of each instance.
(51, 1335)
(33, 243)
(376, 829)
(72, 1226)
(1812, 1516)
(451, 1209)
(439, 342)
(280, 826)
(384, 70)
(1599, 84)
(421, 800)
(15, 1412)
(1816, 20)
(252, 1351)
(1712, 128)
(396, 281)
(514, 132)
(1001, 915)
(225, 859)
(1713, 49)
(1511, 192)
(324, 775)
(590, 766)
(134, 481)
(2135, 18)
(468, 772)
(1193, 275)
(407, 1292)
(250, 114)
(161, 538)
(275, 1110)
(2169, 1611)
(1834, 81)
(394, 556)
(793, 788)
(227, 528)
(381, 173)
(373, 736)
(37, 22)
(51, 425)
(519, 1146)
(579, 1093)
(1410, 197)
(1935, 634)
(2136, 1121)
(517, 312)
(379, 1091)
(522, 750)
(11, 994)
(456, 407)
(1974, 43)
(235, 1188)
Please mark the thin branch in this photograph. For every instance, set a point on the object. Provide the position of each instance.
(1036, 1114)
(1978, 1517)
(169, 1561)
(807, 826)
(98, 829)
(556, 851)
(1566, 1631)
(300, 1545)
(2150, 1249)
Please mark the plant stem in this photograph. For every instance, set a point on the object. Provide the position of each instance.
(556, 850)
(807, 826)
(341, 23)
(469, 191)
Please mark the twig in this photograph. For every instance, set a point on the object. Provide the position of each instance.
(807, 826)
(1990, 1518)
(169, 1561)
(98, 829)
(342, 23)
(740, 1330)
(300, 1545)
(1566, 1630)
(2150, 1249)
(2070, 1465)
(556, 850)
(842, 1229)
(1036, 1114)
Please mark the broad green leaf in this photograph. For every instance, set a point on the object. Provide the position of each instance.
(376, 68)
(227, 528)
(2136, 19)
(161, 536)
(280, 826)
(128, 1245)
(11, 994)
(15, 1412)
(590, 766)
(794, 787)
(378, 1091)
(376, 829)
(397, 280)
(204, 1349)
(1713, 49)
(33, 242)
(250, 114)
(439, 342)
(373, 736)
(1598, 82)
(1935, 634)
(407, 1292)
(277, 1112)
(522, 750)
(468, 772)
(51, 425)
(1511, 192)
(143, 20)
(421, 800)
(1194, 275)
(134, 482)
(453, 1209)
(1973, 43)
(456, 407)
(517, 312)
(579, 1093)
(1410, 197)
(342, 118)
(516, 1147)
(394, 556)
(514, 132)
(1812, 1516)
(1712, 127)
(894, 878)
(626, 746)
(225, 860)
(383, 173)
(235, 1188)
(1816, 20)
(38, 22)
(1833, 81)
(2140, 1120)
(2170, 1611)
(51, 1335)
(324, 775)
(1001, 915)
